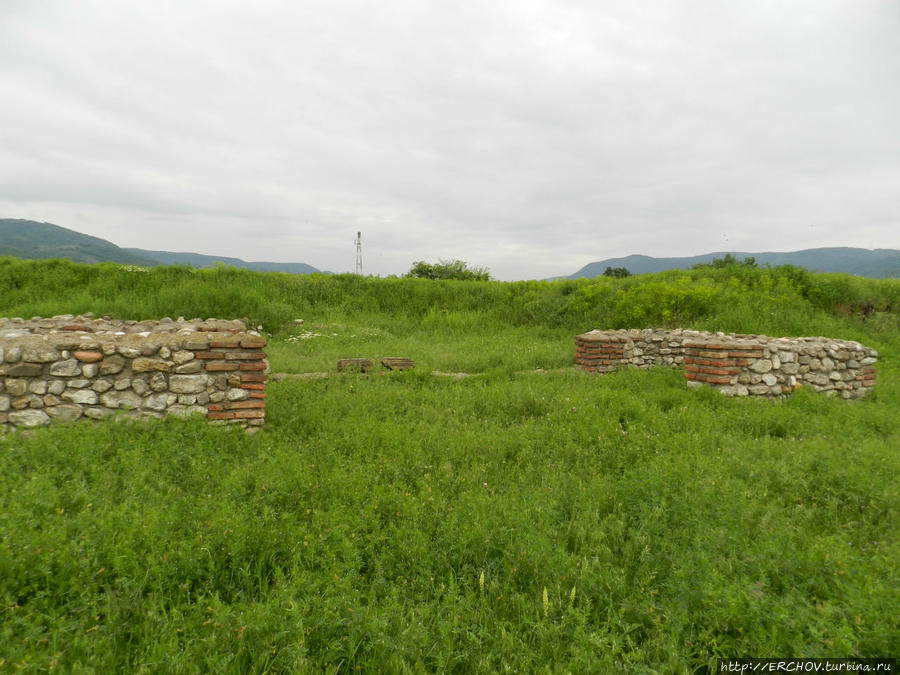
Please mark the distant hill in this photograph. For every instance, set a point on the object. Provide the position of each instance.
(877, 263)
(31, 239)
(200, 260)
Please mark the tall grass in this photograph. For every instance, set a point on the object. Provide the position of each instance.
(667, 527)
(539, 522)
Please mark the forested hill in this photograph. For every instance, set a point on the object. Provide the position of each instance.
(31, 239)
(876, 263)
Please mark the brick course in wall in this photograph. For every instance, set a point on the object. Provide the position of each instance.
(66, 368)
(737, 365)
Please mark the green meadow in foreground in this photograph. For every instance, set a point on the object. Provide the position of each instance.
(520, 520)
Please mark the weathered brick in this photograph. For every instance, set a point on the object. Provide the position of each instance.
(209, 356)
(253, 377)
(254, 386)
(226, 344)
(250, 403)
(244, 356)
(249, 414)
(253, 366)
(213, 367)
(221, 415)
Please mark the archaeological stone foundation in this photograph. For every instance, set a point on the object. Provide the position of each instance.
(736, 365)
(72, 367)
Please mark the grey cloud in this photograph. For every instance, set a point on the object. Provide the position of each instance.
(530, 137)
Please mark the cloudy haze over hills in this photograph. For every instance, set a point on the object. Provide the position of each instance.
(530, 137)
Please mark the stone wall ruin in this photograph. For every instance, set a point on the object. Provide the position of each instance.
(68, 367)
(736, 365)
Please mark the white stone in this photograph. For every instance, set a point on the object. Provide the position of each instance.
(761, 366)
(56, 387)
(237, 394)
(770, 379)
(85, 396)
(65, 412)
(29, 418)
(182, 356)
(157, 401)
(38, 387)
(187, 384)
(90, 370)
(121, 399)
(68, 368)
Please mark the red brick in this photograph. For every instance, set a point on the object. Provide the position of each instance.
(248, 414)
(215, 407)
(221, 415)
(253, 366)
(210, 355)
(88, 357)
(214, 367)
(257, 394)
(258, 387)
(252, 403)
(86, 329)
(253, 377)
(253, 344)
(709, 362)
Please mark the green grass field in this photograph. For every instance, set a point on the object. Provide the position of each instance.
(519, 521)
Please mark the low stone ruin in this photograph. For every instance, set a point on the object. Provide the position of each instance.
(737, 365)
(65, 368)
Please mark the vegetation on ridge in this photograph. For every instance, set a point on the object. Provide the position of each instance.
(549, 521)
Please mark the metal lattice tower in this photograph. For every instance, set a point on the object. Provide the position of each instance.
(359, 252)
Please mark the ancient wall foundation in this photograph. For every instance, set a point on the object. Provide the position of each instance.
(68, 367)
(737, 365)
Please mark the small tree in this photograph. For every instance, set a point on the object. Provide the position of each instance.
(448, 269)
(617, 272)
(728, 261)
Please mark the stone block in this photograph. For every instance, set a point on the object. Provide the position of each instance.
(400, 363)
(121, 399)
(355, 365)
(187, 384)
(65, 412)
(83, 396)
(40, 355)
(16, 387)
(28, 418)
(112, 365)
(158, 382)
(182, 356)
(145, 365)
(67, 368)
(189, 368)
(24, 370)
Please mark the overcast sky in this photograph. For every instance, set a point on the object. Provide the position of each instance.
(526, 136)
